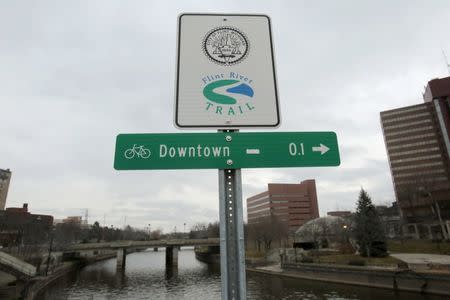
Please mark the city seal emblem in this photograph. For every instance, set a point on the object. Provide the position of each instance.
(226, 45)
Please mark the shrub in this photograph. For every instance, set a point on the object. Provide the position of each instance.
(357, 262)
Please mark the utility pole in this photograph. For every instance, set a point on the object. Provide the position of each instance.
(447, 65)
(49, 251)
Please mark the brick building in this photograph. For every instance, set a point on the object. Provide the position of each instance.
(418, 146)
(19, 226)
(294, 204)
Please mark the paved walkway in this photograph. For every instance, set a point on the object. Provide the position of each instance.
(424, 261)
(272, 268)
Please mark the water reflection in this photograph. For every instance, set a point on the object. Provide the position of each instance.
(171, 272)
(146, 277)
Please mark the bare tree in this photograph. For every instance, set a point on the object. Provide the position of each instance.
(266, 230)
(423, 190)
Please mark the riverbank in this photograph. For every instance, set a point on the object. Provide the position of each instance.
(432, 282)
(38, 284)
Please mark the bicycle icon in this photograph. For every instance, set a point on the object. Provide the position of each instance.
(140, 151)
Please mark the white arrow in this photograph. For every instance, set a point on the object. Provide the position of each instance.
(322, 149)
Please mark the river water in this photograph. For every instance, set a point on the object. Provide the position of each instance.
(146, 277)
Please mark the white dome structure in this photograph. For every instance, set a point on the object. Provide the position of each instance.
(323, 232)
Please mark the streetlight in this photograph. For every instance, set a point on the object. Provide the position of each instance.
(184, 230)
(52, 235)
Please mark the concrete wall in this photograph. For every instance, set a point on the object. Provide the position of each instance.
(404, 280)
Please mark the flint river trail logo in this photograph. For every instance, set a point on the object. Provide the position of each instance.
(228, 94)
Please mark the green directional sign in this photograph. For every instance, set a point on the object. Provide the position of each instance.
(224, 150)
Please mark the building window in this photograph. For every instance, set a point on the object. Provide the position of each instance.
(429, 149)
(407, 131)
(407, 117)
(250, 206)
(409, 159)
(432, 179)
(439, 163)
(259, 210)
(413, 144)
(407, 124)
(418, 174)
(407, 138)
(403, 111)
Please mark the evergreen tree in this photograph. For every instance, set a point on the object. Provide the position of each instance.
(368, 229)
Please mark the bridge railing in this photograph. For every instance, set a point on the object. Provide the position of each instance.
(144, 244)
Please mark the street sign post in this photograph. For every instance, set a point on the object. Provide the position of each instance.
(226, 80)
(225, 72)
(226, 150)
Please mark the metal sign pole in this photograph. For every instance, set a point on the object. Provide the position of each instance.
(232, 251)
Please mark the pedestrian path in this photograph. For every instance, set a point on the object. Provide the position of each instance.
(424, 261)
(272, 268)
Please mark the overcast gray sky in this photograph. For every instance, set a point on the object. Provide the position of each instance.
(74, 74)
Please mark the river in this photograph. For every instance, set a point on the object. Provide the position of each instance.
(145, 277)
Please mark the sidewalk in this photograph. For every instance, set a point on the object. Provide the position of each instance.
(271, 268)
(423, 261)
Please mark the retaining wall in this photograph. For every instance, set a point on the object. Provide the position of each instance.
(403, 279)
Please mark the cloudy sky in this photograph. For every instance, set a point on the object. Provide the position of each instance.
(74, 74)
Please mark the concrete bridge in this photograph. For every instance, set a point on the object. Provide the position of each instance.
(16, 267)
(172, 247)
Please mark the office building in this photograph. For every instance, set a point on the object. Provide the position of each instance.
(5, 178)
(418, 146)
(294, 204)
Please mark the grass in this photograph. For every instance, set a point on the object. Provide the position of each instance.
(418, 246)
(344, 259)
(394, 246)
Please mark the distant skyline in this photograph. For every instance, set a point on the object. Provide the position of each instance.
(74, 75)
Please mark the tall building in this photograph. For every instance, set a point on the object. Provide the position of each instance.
(294, 204)
(418, 146)
(5, 178)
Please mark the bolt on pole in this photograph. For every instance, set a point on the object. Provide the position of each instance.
(232, 251)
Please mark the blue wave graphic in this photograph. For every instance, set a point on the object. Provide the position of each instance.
(242, 89)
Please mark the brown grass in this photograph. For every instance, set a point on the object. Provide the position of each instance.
(418, 246)
(344, 259)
